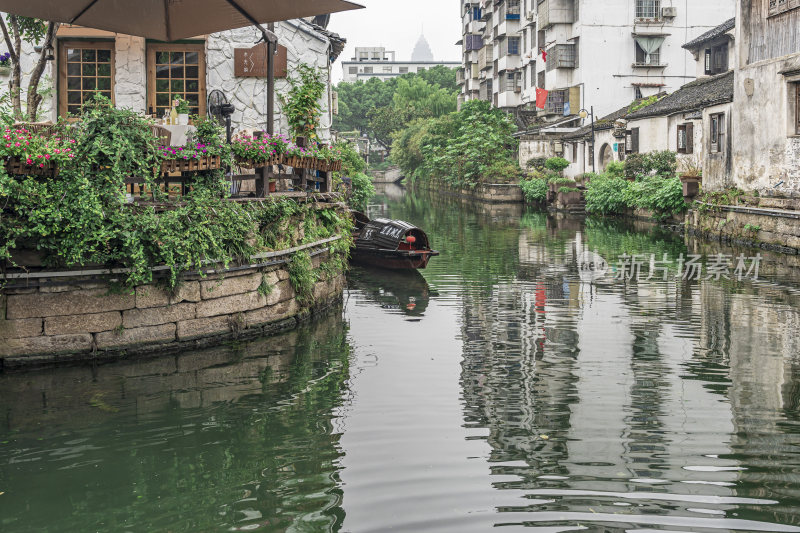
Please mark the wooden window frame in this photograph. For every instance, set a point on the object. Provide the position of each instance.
(717, 142)
(797, 108)
(63, 45)
(632, 141)
(777, 7)
(200, 48)
(688, 131)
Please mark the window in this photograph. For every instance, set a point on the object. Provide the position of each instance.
(776, 7)
(686, 138)
(648, 9)
(513, 46)
(85, 68)
(512, 10)
(716, 60)
(509, 81)
(176, 70)
(403, 70)
(717, 136)
(632, 141)
(367, 70)
(555, 102)
(797, 108)
(540, 81)
(387, 70)
(363, 56)
(353, 70)
(648, 50)
(477, 13)
(621, 151)
(574, 152)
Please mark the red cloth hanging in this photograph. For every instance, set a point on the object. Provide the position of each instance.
(544, 54)
(541, 98)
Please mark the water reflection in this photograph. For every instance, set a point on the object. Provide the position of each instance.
(237, 438)
(511, 393)
(395, 291)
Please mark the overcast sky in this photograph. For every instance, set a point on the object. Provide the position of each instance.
(397, 26)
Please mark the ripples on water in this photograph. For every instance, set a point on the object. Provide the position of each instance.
(496, 389)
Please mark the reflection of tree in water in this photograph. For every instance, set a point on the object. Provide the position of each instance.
(263, 454)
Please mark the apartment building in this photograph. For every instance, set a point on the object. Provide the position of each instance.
(377, 62)
(598, 54)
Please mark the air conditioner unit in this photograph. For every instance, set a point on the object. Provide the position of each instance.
(669, 12)
(530, 16)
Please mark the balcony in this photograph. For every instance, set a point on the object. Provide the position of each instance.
(556, 12)
(562, 56)
(460, 76)
(473, 42)
(485, 57)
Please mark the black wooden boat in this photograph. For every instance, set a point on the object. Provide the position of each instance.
(391, 244)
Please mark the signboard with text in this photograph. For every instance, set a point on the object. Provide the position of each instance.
(252, 62)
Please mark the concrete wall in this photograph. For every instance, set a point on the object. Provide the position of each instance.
(63, 323)
(491, 193)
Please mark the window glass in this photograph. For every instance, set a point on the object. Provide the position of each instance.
(87, 69)
(178, 71)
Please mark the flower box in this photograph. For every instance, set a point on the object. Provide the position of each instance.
(191, 165)
(15, 166)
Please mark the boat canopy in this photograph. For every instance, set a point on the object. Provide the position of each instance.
(385, 234)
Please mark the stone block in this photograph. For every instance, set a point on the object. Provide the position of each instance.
(130, 337)
(271, 313)
(229, 286)
(74, 324)
(229, 305)
(281, 292)
(283, 274)
(204, 327)
(58, 344)
(137, 318)
(18, 329)
(187, 291)
(149, 296)
(76, 287)
(82, 302)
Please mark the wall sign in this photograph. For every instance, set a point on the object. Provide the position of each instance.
(252, 62)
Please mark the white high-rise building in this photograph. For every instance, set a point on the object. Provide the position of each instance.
(599, 54)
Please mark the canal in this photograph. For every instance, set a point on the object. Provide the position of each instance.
(513, 384)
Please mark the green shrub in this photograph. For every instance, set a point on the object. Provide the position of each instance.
(363, 191)
(607, 195)
(664, 197)
(536, 163)
(636, 166)
(663, 164)
(556, 164)
(502, 172)
(535, 189)
(616, 169)
(558, 180)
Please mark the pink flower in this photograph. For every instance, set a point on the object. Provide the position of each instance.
(29, 161)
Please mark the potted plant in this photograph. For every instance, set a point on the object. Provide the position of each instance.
(691, 174)
(182, 108)
(5, 64)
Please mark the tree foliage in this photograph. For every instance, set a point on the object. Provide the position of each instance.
(301, 103)
(464, 148)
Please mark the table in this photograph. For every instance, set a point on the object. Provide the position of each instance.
(180, 134)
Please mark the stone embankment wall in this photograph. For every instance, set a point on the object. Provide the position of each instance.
(86, 320)
(490, 192)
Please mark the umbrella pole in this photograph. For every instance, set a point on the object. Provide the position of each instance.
(271, 40)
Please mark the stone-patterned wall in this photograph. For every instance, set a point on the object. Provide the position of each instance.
(71, 322)
(131, 73)
(249, 95)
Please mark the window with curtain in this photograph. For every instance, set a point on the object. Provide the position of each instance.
(85, 68)
(176, 71)
(648, 50)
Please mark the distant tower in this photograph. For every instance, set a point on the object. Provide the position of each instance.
(422, 51)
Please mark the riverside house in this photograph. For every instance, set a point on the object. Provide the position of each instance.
(145, 75)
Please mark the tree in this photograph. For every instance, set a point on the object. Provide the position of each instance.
(384, 122)
(34, 32)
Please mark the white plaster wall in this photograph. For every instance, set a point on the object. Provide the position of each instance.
(771, 153)
(530, 149)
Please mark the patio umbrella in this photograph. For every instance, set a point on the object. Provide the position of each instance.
(171, 20)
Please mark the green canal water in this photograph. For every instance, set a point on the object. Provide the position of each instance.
(499, 388)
